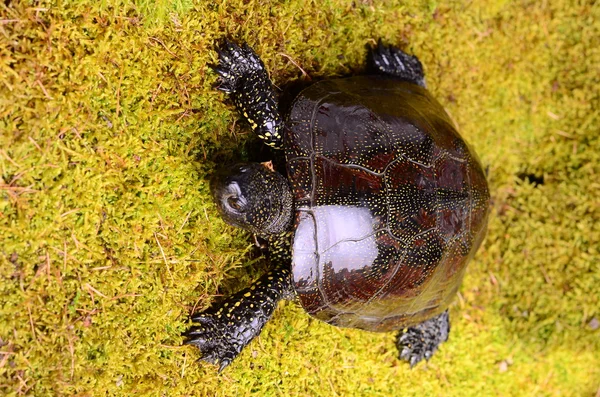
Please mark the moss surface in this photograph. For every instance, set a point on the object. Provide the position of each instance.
(110, 129)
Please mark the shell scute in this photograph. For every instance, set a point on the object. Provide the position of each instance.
(391, 203)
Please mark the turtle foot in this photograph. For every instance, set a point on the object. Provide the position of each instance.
(422, 341)
(391, 61)
(243, 75)
(222, 331)
(237, 63)
(209, 337)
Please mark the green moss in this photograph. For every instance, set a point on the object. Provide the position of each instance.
(110, 129)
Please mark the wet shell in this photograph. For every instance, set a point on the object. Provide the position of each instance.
(391, 203)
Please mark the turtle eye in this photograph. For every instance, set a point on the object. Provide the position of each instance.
(234, 203)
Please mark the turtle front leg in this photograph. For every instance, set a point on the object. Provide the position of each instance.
(222, 331)
(422, 340)
(244, 77)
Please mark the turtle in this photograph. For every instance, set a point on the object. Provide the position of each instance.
(382, 206)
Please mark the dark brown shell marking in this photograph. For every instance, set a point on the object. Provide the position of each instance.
(391, 203)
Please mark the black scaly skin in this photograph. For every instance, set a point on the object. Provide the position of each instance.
(244, 77)
(224, 329)
(391, 61)
(421, 341)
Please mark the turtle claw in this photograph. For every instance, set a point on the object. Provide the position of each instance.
(224, 364)
(202, 319)
(225, 329)
(209, 335)
(422, 341)
(243, 76)
(391, 61)
(235, 63)
(225, 83)
(412, 353)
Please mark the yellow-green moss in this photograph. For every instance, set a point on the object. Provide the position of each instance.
(110, 129)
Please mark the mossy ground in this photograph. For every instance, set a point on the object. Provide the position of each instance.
(110, 128)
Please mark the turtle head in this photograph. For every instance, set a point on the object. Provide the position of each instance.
(255, 197)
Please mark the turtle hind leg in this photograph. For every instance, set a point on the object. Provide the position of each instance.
(391, 61)
(243, 76)
(224, 329)
(422, 340)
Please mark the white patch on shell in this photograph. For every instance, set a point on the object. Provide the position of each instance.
(338, 236)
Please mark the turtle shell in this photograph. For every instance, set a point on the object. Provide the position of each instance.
(390, 203)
